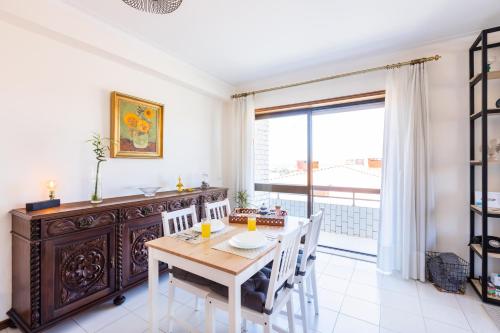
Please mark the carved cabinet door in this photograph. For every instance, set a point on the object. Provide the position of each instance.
(77, 269)
(135, 253)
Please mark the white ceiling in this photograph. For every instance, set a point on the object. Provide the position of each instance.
(240, 40)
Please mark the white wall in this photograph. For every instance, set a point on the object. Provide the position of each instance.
(56, 76)
(67, 24)
(55, 92)
(448, 88)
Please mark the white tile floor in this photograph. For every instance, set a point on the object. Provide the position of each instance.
(353, 299)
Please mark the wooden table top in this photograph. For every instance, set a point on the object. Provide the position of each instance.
(224, 261)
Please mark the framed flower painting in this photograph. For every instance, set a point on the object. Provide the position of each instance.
(136, 127)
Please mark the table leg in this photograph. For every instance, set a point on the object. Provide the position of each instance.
(234, 307)
(153, 277)
(209, 317)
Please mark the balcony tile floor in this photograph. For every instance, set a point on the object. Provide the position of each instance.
(349, 243)
(353, 298)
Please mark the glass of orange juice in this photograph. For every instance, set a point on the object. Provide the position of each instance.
(252, 223)
(205, 228)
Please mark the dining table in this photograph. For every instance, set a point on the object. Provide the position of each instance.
(225, 268)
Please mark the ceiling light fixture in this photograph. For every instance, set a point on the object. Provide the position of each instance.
(154, 6)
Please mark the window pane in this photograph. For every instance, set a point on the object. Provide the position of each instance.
(294, 204)
(347, 153)
(281, 150)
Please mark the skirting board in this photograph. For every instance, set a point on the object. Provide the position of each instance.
(6, 324)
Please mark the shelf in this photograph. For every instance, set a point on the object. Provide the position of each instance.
(477, 286)
(495, 75)
(480, 113)
(483, 161)
(479, 162)
(479, 251)
(492, 212)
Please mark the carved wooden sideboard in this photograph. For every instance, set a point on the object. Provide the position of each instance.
(69, 258)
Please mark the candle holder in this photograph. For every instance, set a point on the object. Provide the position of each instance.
(52, 202)
(51, 186)
(204, 182)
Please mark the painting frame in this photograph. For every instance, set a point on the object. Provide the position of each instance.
(117, 144)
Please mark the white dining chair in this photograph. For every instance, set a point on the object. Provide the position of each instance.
(307, 268)
(218, 209)
(279, 291)
(174, 222)
(179, 220)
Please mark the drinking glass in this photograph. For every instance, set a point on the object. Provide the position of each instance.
(205, 228)
(252, 223)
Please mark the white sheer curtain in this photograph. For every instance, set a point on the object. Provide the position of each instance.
(243, 110)
(406, 229)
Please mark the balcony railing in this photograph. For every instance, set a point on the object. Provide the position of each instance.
(342, 216)
(326, 192)
(323, 191)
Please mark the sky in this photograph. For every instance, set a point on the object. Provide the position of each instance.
(347, 133)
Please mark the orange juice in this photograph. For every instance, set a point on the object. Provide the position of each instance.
(252, 223)
(205, 230)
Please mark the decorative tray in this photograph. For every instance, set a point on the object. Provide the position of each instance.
(241, 215)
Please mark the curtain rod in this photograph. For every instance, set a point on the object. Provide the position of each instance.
(331, 77)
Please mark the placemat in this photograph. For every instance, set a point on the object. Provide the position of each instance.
(194, 237)
(249, 254)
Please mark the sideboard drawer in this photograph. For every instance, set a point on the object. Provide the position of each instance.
(183, 202)
(70, 224)
(136, 212)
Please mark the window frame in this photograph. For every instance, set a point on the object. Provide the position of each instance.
(309, 109)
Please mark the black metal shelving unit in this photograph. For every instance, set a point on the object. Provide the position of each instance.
(482, 47)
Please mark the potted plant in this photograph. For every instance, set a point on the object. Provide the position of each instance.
(241, 199)
(100, 151)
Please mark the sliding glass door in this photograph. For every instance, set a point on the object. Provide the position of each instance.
(327, 158)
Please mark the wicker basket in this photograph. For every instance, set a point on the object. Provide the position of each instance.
(454, 277)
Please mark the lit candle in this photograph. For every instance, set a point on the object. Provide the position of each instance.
(51, 186)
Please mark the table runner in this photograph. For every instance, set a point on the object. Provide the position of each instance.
(194, 237)
(249, 254)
